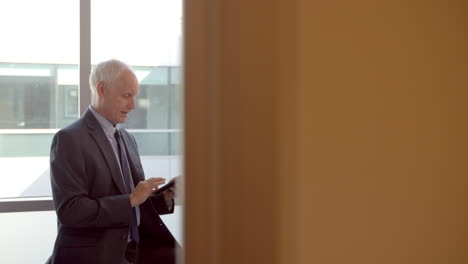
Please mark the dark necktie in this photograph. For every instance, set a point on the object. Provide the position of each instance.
(128, 182)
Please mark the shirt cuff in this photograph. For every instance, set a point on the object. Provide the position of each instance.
(170, 204)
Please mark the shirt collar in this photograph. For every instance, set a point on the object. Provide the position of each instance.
(107, 126)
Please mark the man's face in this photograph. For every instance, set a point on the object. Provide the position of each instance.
(116, 102)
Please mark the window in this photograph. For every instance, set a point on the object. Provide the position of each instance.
(40, 75)
(147, 35)
(38, 55)
(39, 80)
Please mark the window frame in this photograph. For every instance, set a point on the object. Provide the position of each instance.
(45, 203)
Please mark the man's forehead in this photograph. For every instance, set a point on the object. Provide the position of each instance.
(129, 74)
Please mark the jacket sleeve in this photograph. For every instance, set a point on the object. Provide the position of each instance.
(160, 204)
(70, 189)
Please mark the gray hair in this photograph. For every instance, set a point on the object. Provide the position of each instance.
(107, 72)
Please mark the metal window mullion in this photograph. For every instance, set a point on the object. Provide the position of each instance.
(85, 54)
(19, 205)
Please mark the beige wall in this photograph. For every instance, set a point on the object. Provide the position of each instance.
(382, 135)
(326, 131)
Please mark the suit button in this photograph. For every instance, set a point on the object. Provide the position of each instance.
(123, 236)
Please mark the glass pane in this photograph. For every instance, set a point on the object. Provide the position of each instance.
(147, 35)
(36, 232)
(39, 55)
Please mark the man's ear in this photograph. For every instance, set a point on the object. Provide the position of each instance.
(100, 89)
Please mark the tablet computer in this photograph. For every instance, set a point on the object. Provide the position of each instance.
(164, 188)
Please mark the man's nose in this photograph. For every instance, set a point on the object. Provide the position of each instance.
(132, 104)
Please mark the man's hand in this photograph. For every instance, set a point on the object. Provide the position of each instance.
(144, 189)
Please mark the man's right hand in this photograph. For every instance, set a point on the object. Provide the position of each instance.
(144, 189)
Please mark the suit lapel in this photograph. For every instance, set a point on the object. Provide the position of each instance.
(102, 142)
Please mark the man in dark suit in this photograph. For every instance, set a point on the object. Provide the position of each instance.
(106, 210)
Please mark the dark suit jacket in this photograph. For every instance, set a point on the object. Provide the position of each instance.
(92, 206)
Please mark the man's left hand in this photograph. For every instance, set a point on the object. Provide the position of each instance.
(175, 190)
